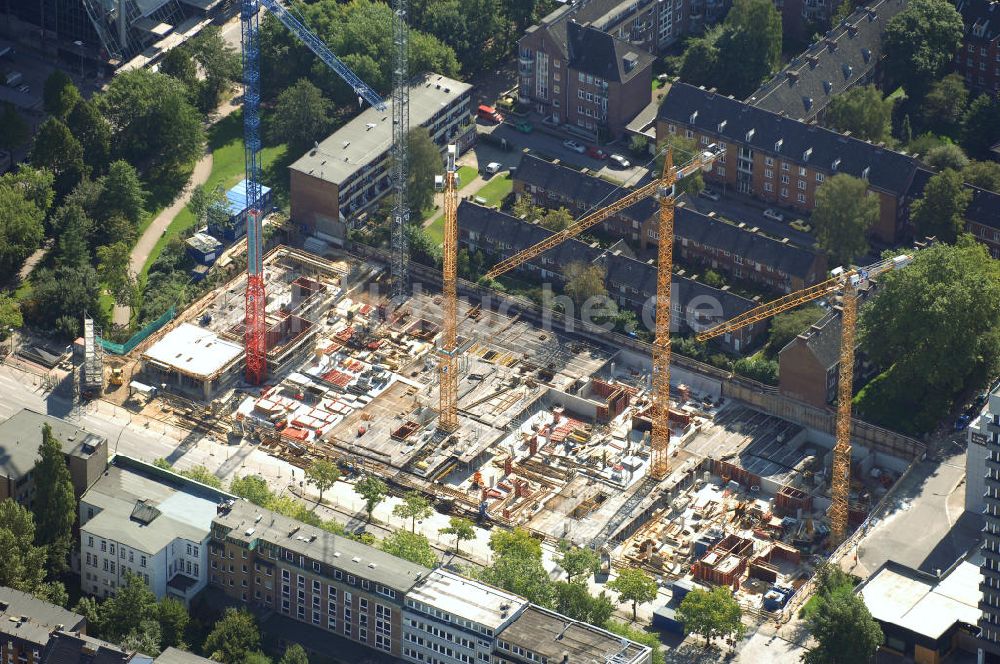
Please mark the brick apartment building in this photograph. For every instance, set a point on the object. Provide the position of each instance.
(783, 161)
(581, 77)
(848, 55)
(630, 282)
(982, 216)
(978, 57)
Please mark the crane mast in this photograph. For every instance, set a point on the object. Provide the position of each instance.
(447, 361)
(400, 133)
(847, 283)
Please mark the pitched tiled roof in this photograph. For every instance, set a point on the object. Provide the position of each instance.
(705, 230)
(823, 339)
(586, 190)
(981, 18)
(595, 52)
(584, 13)
(732, 120)
(846, 55)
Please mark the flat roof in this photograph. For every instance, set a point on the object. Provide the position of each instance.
(249, 523)
(921, 603)
(363, 139)
(146, 508)
(21, 436)
(552, 635)
(470, 599)
(193, 350)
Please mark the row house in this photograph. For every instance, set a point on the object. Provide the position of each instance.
(582, 78)
(982, 216)
(783, 161)
(629, 282)
(978, 56)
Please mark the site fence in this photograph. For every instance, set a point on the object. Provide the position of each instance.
(140, 336)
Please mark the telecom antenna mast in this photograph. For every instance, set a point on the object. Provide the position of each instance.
(400, 157)
(447, 361)
(255, 332)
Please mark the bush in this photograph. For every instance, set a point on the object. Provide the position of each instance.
(761, 370)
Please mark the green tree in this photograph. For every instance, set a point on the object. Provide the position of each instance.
(10, 315)
(53, 592)
(123, 194)
(468, 27)
(788, 325)
(983, 174)
(981, 126)
(525, 208)
(173, 618)
(253, 488)
(701, 60)
(256, 657)
(55, 504)
(301, 115)
(59, 96)
(844, 631)
(145, 638)
(22, 566)
(751, 36)
(424, 163)
(556, 220)
(762, 370)
(692, 185)
(126, 612)
(517, 566)
(577, 561)
(322, 474)
(373, 490)
(573, 601)
(920, 42)
(946, 156)
(233, 637)
(220, 63)
(711, 613)
(113, 264)
(461, 528)
(57, 150)
(944, 105)
(179, 64)
(21, 229)
(414, 506)
(936, 327)
(584, 281)
(94, 133)
(633, 585)
(863, 112)
(35, 184)
(940, 211)
(410, 546)
(152, 121)
(14, 131)
(843, 214)
(295, 654)
(639, 636)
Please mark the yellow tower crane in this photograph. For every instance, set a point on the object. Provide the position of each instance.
(847, 283)
(447, 360)
(665, 189)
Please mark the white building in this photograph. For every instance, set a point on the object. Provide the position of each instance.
(141, 519)
(450, 619)
(983, 430)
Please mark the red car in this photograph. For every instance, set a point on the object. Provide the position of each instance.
(596, 153)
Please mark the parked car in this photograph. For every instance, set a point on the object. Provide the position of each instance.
(710, 194)
(773, 215)
(800, 225)
(962, 422)
(574, 146)
(524, 127)
(489, 114)
(620, 161)
(493, 168)
(596, 153)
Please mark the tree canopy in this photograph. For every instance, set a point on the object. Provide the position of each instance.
(373, 490)
(234, 637)
(22, 566)
(788, 325)
(410, 546)
(424, 163)
(14, 131)
(556, 220)
(711, 613)
(577, 561)
(942, 108)
(301, 115)
(940, 212)
(322, 474)
(983, 174)
(517, 566)
(55, 503)
(414, 506)
(843, 215)
(946, 156)
(94, 133)
(981, 126)
(635, 586)
(584, 281)
(58, 151)
(460, 528)
(60, 95)
(844, 630)
(862, 111)
(920, 42)
(21, 227)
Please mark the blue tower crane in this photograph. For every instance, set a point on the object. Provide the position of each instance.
(255, 332)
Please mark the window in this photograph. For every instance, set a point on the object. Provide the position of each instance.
(768, 161)
(819, 177)
(590, 97)
(111, 549)
(338, 575)
(801, 184)
(104, 545)
(90, 542)
(802, 198)
(784, 166)
(579, 94)
(688, 133)
(142, 561)
(720, 171)
(784, 192)
(768, 173)
(802, 171)
(784, 179)
(768, 187)
(189, 549)
(579, 76)
(363, 603)
(347, 599)
(704, 140)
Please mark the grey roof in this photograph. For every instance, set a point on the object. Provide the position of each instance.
(823, 339)
(552, 636)
(175, 656)
(593, 51)
(693, 225)
(984, 208)
(366, 137)
(979, 15)
(77, 648)
(845, 56)
(585, 190)
(886, 170)
(146, 508)
(21, 436)
(40, 618)
(247, 523)
(598, 12)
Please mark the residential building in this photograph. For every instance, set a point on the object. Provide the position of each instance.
(978, 57)
(26, 623)
(578, 76)
(630, 283)
(86, 454)
(847, 56)
(310, 575)
(540, 635)
(140, 519)
(809, 365)
(925, 617)
(449, 618)
(982, 216)
(984, 438)
(783, 161)
(341, 179)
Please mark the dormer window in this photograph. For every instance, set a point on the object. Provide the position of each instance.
(750, 134)
(807, 154)
(835, 164)
(778, 144)
(693, 118)
(721, 126)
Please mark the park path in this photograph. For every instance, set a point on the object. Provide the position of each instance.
(152, 234)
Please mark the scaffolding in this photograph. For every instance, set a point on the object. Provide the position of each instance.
(92, 378)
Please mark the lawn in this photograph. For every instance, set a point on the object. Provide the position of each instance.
(435, 230)
(466, 174)
(226, 142)
(497, 189)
